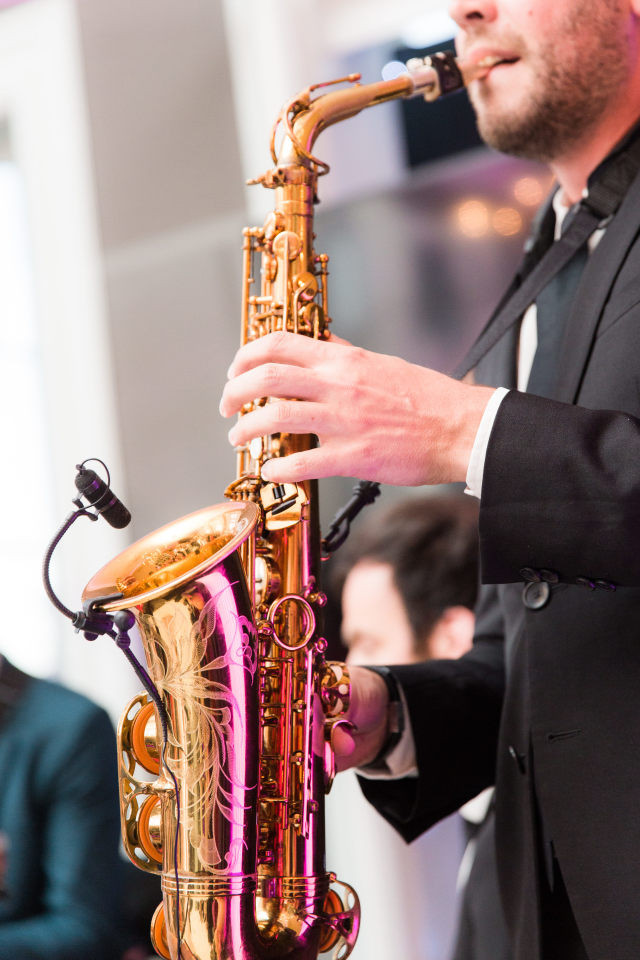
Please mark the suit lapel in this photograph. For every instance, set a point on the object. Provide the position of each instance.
(506, 315)
(604, 263)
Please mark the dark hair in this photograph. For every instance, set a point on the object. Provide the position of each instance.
(431, 544)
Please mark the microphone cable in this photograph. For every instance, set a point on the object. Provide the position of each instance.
(93, 622)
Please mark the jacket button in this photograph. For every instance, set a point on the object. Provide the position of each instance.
(535, 596)
(550, 576)
(605, 585)
(528, 573)
(585, 582)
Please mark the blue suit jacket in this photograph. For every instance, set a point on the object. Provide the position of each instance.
(59, 813)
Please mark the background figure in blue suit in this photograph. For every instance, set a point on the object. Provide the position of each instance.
(60, 871)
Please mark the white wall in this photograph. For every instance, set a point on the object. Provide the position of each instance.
(41, 100)
(278, 47)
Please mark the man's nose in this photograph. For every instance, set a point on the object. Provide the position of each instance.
(464, 12)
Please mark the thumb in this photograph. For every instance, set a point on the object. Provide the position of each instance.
(344, 744)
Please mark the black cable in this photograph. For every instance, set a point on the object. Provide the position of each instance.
(124, 620)
(71, 519)
(95, 621)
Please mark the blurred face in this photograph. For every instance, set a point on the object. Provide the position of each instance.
(375, 627)
(559, 66)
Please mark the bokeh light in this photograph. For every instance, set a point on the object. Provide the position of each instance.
(393, 69)
(506, 221)
(473, 219)
(528, 191)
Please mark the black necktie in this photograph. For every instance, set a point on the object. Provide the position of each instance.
(607, 186)
(553, 307)
(583, 222)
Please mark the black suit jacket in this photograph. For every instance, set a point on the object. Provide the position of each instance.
(550, 697)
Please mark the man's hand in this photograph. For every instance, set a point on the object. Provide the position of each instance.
(376, 417)
(369, 715)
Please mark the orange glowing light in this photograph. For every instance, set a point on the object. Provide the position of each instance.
(507, 221)
(528, 191)
(473, 219)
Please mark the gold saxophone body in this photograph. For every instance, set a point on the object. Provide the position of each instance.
(227, 804)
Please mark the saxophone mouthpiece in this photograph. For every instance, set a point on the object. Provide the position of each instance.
(442, 73)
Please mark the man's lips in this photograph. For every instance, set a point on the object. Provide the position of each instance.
(485, 60)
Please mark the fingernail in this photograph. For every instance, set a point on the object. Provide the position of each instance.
(265, 472)
(230, 372)
(231, 436)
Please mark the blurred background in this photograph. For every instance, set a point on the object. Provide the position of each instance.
(127, 131)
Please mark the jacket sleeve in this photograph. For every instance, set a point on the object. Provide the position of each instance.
(454, 710)
(561, 492)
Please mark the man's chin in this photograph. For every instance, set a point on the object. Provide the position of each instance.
(517, 141)
(507, 133)
(506, 122)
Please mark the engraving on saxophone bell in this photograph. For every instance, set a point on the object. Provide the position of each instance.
(206, 671)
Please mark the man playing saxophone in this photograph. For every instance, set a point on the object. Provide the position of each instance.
(546, 702)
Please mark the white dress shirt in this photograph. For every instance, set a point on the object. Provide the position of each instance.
(527, 345)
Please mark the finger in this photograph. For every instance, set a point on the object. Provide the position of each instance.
(331, 459)
(279, 347)
(279, 416)
(305, 465)
(268, 380)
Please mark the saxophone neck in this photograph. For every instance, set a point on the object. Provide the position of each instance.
(305, 116)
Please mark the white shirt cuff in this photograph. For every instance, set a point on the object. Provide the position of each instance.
(475, 470)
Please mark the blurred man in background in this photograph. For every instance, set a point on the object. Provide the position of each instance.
(60, 871)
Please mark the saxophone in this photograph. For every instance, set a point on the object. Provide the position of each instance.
(223, 794)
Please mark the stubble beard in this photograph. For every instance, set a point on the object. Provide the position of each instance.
(572, 86)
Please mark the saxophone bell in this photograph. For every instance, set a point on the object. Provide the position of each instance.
(201, 809)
